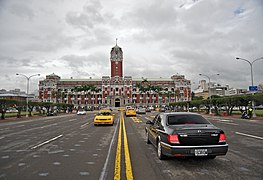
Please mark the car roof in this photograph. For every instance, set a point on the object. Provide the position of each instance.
(179, 113)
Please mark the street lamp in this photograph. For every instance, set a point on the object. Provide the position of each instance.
(27, 88)
(209, 94)
(252, 83)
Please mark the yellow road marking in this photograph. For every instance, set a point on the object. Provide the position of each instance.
(135, 119)
(128, 167)
(129, 175)
(117, 171)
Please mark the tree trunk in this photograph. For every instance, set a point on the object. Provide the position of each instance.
(3, 115)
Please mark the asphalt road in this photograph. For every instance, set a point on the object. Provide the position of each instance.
(71, 147)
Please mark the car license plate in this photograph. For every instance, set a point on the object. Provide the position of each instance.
(201, 152)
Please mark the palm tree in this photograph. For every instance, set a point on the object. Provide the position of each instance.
(93, 89)
(157, 89)
(58, 96)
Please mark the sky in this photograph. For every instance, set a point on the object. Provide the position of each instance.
(73, 38)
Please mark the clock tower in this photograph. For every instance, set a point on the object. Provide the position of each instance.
(116, 58)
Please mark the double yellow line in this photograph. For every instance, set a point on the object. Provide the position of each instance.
(117, 172)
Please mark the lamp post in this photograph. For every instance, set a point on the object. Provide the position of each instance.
(209, 93)
(252, 81)
(27, 88)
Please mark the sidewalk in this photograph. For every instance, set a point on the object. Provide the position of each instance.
(19, 119)
(8, 119)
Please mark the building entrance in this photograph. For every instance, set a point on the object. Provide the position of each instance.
(117, 102)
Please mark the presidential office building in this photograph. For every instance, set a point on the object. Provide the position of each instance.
(115, 90)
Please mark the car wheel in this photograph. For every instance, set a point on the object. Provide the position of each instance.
(160, 154)
(147, 138)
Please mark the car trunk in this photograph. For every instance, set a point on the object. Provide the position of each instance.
(200, 135)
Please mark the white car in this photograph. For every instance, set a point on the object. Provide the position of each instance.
(81, 112)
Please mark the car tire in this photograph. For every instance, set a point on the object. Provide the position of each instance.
(147, 138)
(160, 154)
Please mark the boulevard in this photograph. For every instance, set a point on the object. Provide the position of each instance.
(71, 147)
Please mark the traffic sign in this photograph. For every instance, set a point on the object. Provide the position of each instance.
(253, 88)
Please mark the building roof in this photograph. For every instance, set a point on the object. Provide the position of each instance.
(152, 79)
(14, 95)
(68, 80)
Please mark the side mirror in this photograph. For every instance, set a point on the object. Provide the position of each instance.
(95, 114)
(149, 122)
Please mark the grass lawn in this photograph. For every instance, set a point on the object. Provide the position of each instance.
(7, 115)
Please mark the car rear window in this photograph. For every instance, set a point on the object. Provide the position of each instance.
(104, 113)
(186, 119)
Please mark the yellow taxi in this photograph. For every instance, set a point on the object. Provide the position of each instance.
(130, 112)
(104, 116)
(157, 109)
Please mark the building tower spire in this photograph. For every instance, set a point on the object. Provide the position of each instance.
(116, 58)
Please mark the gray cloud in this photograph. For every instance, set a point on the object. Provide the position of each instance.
(21, 10)
(88, 18)
(158, 39)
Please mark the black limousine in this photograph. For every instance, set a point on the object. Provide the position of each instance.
(178, 134)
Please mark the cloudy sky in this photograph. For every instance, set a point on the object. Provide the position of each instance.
(73, 38)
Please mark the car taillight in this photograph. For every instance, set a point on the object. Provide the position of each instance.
(222, 138)
(173, 138)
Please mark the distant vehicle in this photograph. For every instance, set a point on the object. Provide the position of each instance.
(162, 109)
(141, 111)
(104, 116)
(52, 113)
(157, 109)
(151, 108)
(130, 112)
(89, 109)
(148, 109)
(185, 134)
(127, 107)
(11, 110)
(81, 112)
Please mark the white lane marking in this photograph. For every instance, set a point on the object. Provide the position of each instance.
(104, 170)
(48, 141)
(229, 123)
(248, 135)
(83, 125)
(2, 137)
(72, 120)
(225, 120)
(21, 125)
(48, 125)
